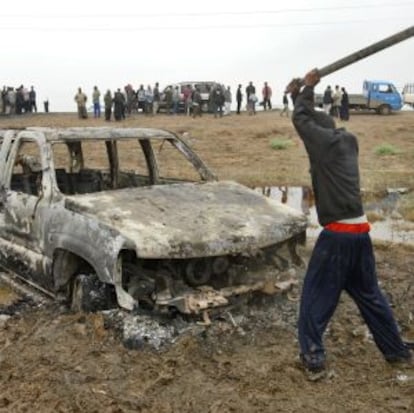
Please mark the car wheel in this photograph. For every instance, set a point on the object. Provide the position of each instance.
(89, 294)
(139, 285)
(198, 272)
(384, 110)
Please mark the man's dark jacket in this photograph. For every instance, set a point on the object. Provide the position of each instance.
(333, 156)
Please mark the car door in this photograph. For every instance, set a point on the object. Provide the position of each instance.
(26, 199)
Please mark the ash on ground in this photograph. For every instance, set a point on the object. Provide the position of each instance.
(159, 332)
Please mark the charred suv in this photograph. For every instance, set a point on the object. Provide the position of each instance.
(133, 217)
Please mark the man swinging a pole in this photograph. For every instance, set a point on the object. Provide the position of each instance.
(343, 257)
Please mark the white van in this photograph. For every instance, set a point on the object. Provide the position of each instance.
(203, 86)
(408, 94)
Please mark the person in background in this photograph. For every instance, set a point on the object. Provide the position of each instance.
(119, 105)
(267, 95)
(11, 101)
(108, 105)
(342, 258)
(210, 93)
(327, 100)
(187, 93)
(19, 105)
(141, 98)
(26, 99)
(285, 102)
(196, 99)
(4, 99)
(156, 98)
(227, 101)
(176, 97)
(218, 101)
(251, 98)
(344, 110)
(168, 99)
(131, 98)
(336, 102)
(32, 100)
(239, 98)
(250, 89)
(96, 100)
(80, 99)
(149, 100)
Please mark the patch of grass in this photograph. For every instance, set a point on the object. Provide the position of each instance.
(280, 143)
(386, 149)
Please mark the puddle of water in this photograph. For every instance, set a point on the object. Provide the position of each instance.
(390, 228)
(7, 296)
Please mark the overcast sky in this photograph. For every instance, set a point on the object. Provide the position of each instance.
(58, 46)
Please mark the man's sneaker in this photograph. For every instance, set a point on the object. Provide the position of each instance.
(313, 362)
(409, 344)
(402, 362)
(314, 367)
(315, 375)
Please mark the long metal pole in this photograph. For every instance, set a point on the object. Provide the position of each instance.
(367, 51)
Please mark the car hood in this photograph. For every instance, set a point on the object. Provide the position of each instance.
(192, 219)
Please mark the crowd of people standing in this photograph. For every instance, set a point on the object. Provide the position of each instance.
(124, 102)
(174, 99)
(19, 100)
(336, 102)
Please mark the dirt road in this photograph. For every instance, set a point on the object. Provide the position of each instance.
(54, 361)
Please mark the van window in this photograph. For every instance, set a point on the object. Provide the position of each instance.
(205, 87)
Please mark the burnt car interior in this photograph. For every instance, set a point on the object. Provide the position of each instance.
(27, 172)
(93, 166)
(118, 164)
(28, 184)
(80, 170)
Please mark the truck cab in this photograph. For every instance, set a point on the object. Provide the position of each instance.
(382, 96)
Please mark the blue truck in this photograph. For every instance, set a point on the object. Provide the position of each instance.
(380, 96)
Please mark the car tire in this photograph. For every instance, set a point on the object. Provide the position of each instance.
(198, 272)
(384, 110)
(89, 294)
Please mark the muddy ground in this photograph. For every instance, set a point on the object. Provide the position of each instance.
(54, 361)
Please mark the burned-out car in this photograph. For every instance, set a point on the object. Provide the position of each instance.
(133, 217)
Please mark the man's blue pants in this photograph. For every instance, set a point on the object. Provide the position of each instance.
(344, 261)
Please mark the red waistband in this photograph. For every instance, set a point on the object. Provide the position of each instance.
(354, 228)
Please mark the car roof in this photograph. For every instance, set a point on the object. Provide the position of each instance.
(99, 133)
